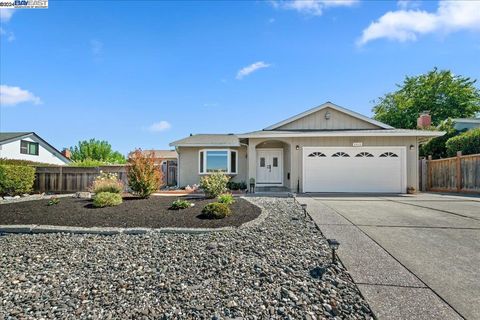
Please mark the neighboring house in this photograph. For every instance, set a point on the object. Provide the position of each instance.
(466, 123)
(324, 149)
(168, 160)
(29, 146)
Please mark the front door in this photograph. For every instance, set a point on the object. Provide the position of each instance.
(270, 167)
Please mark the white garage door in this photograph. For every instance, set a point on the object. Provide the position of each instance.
(354, 169)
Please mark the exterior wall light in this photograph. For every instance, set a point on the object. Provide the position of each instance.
(327, 115)
(333, 244)
(412, 147)
(304, 208)
(297, 147)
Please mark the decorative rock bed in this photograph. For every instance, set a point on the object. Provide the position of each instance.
(279, 268)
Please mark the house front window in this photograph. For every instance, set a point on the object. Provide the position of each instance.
(216, 160)
(28, 147)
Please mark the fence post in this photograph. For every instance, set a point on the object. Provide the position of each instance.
(429, 174)
(423, 186)
(459, 171)
(60, 181)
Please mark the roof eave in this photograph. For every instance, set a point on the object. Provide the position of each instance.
(380, 133)
(203, 145)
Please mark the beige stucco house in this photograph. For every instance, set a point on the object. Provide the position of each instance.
(324, 149)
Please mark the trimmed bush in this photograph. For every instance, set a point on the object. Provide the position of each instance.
(15, 180)
(107, 199)
(226, 198)
(216, 210)
(144, 177)
(236, 185)
(214, 184)
(107, 182)
(468, 142)
(180, 204)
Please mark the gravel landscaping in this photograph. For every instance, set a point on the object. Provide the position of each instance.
(279, 268)
(133, 212)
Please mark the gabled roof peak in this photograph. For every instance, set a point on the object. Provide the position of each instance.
(329, 104)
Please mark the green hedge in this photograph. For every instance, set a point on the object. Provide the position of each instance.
(15, 180)
(467, 142)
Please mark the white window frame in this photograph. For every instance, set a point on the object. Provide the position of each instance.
(229, 160)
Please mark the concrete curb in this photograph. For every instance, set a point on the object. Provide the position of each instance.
(42, 229)
(108, 231)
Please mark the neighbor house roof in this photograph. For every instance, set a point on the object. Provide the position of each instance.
(6, 136)
(161, 154)
(341, 133)
(467, 120)
(12, 136)
(328, 104)
(208, 140)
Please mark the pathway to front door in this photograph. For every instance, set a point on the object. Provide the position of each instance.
(269, 167)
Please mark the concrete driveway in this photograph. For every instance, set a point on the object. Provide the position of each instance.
(413, 257)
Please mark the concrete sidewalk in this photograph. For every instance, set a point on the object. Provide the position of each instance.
(392, 290)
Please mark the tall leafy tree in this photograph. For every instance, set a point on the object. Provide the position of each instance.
(96, 150)
(441, 92)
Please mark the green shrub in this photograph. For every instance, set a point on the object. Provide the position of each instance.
(144, 177)
(53, 201)
(107, 199)
(180, 204)
(236, 185)
(214, 184)
(15, 180)
(17, 162)
(468, 142)
(216, 210)
(107, 182)
(88, 163)
(226, 198)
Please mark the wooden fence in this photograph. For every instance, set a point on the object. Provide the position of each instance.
(456, 174)
(72, 179)
(66, 179)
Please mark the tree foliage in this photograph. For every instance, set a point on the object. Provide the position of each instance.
(442, 93)
(436, 146)
(96, 151)
(468, 142)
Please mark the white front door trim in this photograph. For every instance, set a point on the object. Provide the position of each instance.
(400, 149)
(272, 179)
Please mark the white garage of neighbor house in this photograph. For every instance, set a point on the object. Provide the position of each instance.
(29, 146)
(324, 149)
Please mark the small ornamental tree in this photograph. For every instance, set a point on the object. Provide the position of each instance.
(144, 177)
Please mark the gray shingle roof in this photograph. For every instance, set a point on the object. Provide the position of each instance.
(162, 154)
(4, 136)
(208, 140)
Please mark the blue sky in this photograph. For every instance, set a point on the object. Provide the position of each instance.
(142, 74)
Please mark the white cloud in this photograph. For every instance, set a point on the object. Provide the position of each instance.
(160, 126)
(6, 14)
(10, 96)
(408, 4)
(97, 47)
(251, 68)
(10, 35)
(312, 7)
(407, 25)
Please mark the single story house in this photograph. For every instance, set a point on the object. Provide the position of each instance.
(325, 149)
(29, 146)
(466, 123)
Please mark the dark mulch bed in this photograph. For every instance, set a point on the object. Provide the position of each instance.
(133, 212)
